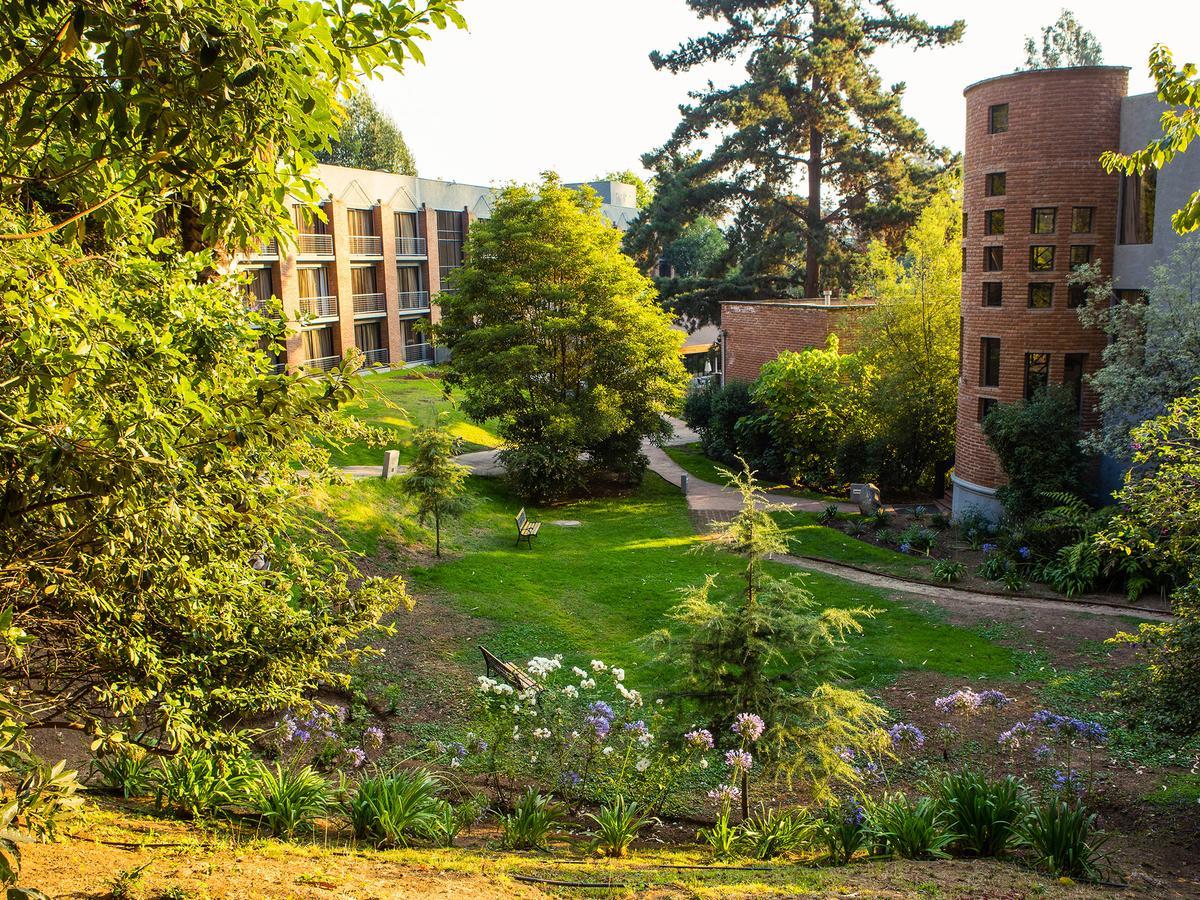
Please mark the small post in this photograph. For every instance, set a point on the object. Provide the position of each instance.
(391, 463)
(683, 483)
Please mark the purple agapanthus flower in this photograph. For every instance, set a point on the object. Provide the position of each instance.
(989, 548)
(1067, 784)
(963, 701)
(600, 726)
(601, 709)
(701, 739)
(1016, 736)
(357, 756)
(904, 734)
(749, 726)
(373, 737)
(637, 729)
(1024, 552)
(570, 779)
(1043, 752)
(994, 699)
(855, 814)
(725, 793)
(739, 760)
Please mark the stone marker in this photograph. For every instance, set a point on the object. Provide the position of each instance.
(867, 498)
(391, 463)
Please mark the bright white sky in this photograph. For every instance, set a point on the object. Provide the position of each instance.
(567, 84)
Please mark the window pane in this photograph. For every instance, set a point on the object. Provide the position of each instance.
(1076, 296)
(1041, 258)
(993, 293)
(318, 342)
(1037, 373)
(989, 361)
(1041, 296)
(1044, 220)
(261, 287)
(410, 278)
(309, 222)
(367, 336)
(985, 406)
(1073, 366)
(363, 279)
(451, 233)
(998, 118)
(993, 223)
(1081, 219)
(313, 281)
(993, 259)
(996, 184)
(361, 221)
(1081, 255)
(406, 225)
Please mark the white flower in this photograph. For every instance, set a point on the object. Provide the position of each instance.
(503, 688)
(645, 739)
(533, 757)
(658, 702)
(516, 708)
(703, 763)
(634, 698)
(642, 764)
(587, 683)
(598, 666)
(571, 691)
(540, 667)
(579, 673)
(574, 735)
(607, 751)
(486, 685)
(516, 731)
(541, 733)
(455, 763)
(618, 674)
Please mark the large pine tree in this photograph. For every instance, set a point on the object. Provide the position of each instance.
(811, 150)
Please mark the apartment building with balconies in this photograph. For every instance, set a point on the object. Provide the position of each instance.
(368, 271)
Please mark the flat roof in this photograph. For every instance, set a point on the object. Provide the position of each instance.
(1019, 72)
(819, 303)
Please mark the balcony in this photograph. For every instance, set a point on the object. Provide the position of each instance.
(375, 357)
(410, 246)
(365, 245)
(370, 305)
(418, 353)
(319, 307)
(268, 250)
(314, 244)
(322, 364)
(416, 300)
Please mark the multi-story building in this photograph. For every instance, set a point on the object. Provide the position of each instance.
(368, 274)
(1036, 204)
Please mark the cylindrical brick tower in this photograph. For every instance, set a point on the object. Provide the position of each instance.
(1036, 202)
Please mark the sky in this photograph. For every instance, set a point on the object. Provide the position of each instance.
(568, 85)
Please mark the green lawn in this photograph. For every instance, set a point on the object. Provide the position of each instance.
(596, 590)
(807, 538)
(400, 400)
(695, 463)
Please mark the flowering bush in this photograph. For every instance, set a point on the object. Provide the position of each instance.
(326, 738)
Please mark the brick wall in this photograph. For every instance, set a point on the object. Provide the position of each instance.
(755, 333)
(1059, 122)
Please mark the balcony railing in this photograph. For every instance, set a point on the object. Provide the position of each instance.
(375, 357)
(415, 353)
(410, 246)
(314, 244)
(268, 250)
(414, 299)
(370, 304)
(366, 245)
(323, 364)
(319, 307)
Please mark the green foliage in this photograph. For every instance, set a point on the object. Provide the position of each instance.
(828, 514)
(984, 814)
(1012, 580)
(911, 829)
(124, 884)
(434, 480)
(616, 826)
(289, 800)
(530, 823)
(1037, 443)
(555, 334)
(196, 784)
(730, 425)
(390, 810)
(368, 138)
(974, 526)
(1177, 89)
(918, 539)
(698, 250)
(844, 829)
(722, 837)
(948, 570)
(1074, 569)
(1065, 43)
(771, 832)
(910, 339)
(1064, 839)
(446, 822)
(125, 768)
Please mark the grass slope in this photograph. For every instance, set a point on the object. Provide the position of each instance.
(808, 538)
(690, 458)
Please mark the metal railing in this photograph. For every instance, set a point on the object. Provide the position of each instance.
(366, 245)
(414, 299)
(370, 304)
(314, 244)
(323, 364)
(410, 246)
(319, 307)
(268, 250)
(414, 353)
(375, 357)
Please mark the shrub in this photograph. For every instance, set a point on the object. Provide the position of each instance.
(196, 784)
(530, 822)
(939, 521)
(974, 526)
(881, 517)
(126, 769)
(544, 472)
(948, 570)
(856, 527)
(1011, 579)
(722, 837)
(995, 564)
(1074, 569)
(912, 830)
(289, 800)
(445, 823)
(770, 833)
(1064, 839)
(617, 825)
(886, 536)
(389, 810)
(984, 814)
(844, 830)
(828, 514)
(919, 539)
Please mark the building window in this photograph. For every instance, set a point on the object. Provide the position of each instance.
(406, 225)
(313, 281)
(361, 221)
(998, 118)
(309, 221)
(1037, 373)
(1081, 219)
(964, 231)
(993, 293)
(363, 280)
(1137, 207)
(1076, 295)
(1041, 258)
(1073, 366)
(452, 232)
(368, 336)
(1044, 220)
(317, 343)
(993, 259)
(993, 222)
(1081, 255)
(996, 184)
(1041, 296)
(989, 362)
(261, 287)
(986, 404)
(409, 278)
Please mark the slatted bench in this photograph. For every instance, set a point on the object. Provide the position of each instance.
(526, 530)
(506, 670)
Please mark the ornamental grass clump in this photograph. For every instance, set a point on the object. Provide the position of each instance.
(844, 830)
(391, 810)
(770, 833)
(1064, 839)
(616, 827)
(125, 768)
(911, 829)
(984, 814)
(530, 823)
(195, 784)
(289, 800)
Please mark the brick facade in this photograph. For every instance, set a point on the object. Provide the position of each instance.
(1059, 121)
(754, 333)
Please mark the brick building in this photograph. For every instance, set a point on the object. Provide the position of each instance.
(369, 275)
(1036, 203)
(754, 332)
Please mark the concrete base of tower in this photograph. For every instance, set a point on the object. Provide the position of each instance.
(968, 495)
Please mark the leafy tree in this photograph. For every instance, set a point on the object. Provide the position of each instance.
(1179, 89)
(434, 480)
(554, 333)
(369, 138)
(816, 404)
(1065, 43)
(155, 544)
(1037, 443)
(910, 338)
(770, 648)
(1160, 521)
(1153, 353)
(697, 250)
(643, 191)
(813, 109)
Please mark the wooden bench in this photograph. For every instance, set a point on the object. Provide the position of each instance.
(506, 670)
(526, 530)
